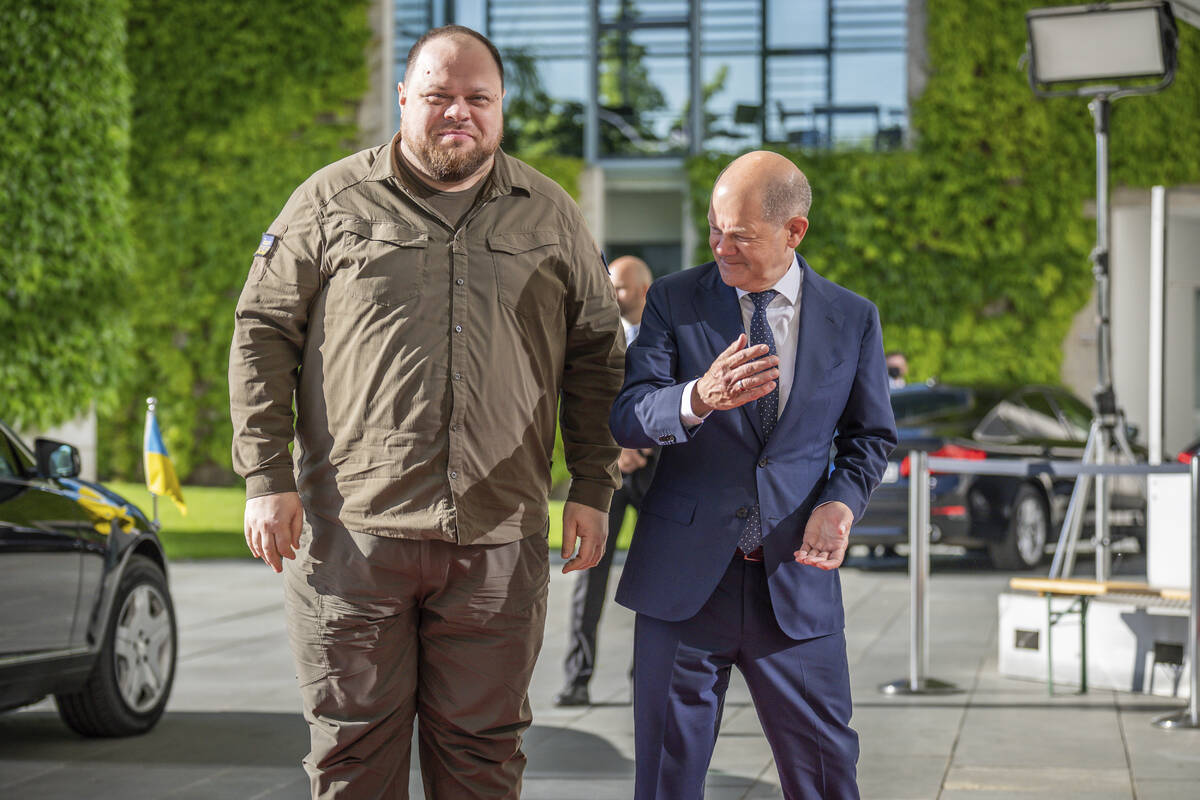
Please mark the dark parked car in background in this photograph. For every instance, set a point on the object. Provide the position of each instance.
(1011, 518)
(85, 612)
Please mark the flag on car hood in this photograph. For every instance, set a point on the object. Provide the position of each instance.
(160, 472)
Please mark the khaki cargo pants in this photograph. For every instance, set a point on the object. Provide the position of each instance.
(383, 630)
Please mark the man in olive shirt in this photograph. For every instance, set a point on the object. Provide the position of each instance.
(426, 305)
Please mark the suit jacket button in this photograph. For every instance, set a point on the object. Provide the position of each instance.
(742, 513)
(762, 462)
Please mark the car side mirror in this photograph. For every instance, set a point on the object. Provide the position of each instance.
(56, 459)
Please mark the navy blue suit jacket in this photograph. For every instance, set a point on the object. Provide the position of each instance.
(694, 511)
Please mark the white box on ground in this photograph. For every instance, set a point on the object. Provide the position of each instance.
(1168, 531)
(1130, 648)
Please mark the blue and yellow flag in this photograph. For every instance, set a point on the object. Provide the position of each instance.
(160, 472)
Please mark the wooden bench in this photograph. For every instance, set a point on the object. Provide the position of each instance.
(1086, 591)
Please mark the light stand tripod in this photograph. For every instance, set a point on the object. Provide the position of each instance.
(1128, 42)
(1108, 425)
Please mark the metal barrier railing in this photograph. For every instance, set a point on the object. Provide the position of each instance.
(922, 465)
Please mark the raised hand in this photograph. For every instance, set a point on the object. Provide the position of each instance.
(739, 375)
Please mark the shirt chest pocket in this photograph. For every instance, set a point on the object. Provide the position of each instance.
(526, 264)
(383, 262)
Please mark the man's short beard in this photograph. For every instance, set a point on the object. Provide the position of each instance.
(448, 164)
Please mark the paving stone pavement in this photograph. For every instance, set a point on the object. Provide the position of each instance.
(233, 730)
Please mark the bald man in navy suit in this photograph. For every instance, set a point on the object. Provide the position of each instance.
(746, 370)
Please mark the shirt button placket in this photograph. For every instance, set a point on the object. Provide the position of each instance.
(459, 316)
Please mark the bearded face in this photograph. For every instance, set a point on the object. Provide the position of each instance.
(452, 114)
(451, 154)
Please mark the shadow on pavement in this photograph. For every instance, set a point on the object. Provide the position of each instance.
(227, 739)
(232, 743)
(570, 752)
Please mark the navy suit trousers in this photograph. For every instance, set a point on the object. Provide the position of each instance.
(801, 690)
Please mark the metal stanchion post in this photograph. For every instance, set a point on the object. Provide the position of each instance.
(918, 571)
(1190, 716)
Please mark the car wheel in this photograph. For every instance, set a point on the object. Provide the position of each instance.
(131, 681)
(1024, 541)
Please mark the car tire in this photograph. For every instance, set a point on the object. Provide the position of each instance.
(1023, 544)
(131, 680)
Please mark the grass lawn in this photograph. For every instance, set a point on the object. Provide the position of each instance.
(213, 525)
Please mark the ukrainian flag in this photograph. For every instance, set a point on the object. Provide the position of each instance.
(160, 472)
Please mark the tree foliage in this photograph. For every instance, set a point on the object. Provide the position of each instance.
(974, 244)
(65, 265)
(235, 104)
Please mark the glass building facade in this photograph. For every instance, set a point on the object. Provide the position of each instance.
(636, 79)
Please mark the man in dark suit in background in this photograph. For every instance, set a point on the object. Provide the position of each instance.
(631, 278)
(745, 371)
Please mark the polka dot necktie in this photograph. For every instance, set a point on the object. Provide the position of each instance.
(768, 409)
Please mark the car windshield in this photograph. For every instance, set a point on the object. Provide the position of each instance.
(1077, 413)
(6, 468)
(929, 404)
(10, 440)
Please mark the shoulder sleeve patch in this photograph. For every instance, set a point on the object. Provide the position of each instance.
(266, 245)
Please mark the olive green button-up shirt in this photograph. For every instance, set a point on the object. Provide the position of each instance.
(426, 362)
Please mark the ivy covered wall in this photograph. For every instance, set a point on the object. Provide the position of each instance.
(234, 105)
(66, 260)
(974, 244)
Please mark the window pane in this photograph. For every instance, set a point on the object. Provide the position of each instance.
(732, 111)
(730, 27)
(923, 404)
(6, 468)
(643, 91)
(21, 459)
(994, 426)
(545, 50)
(868, 96)
(1076, 413)
(797, 23)
(825, 61)
(1032, 417)
(645, 10)
(795, 84)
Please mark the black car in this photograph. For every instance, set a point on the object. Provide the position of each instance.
(85, 612)
(1012, 518)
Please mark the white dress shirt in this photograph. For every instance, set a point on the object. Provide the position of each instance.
(783, 317)
(631, 330)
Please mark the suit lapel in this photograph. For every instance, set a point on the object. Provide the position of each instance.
(820, 325)
(722, 317)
